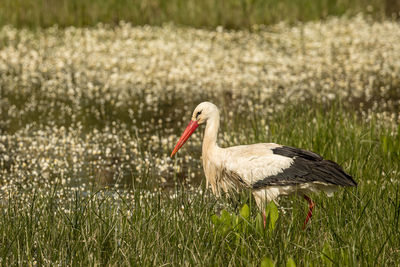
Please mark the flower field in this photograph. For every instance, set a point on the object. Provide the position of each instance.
(89, 117)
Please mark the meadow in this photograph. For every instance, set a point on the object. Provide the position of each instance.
(231, 14)
(89, 117)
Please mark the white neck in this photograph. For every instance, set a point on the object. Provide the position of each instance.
(211, 133)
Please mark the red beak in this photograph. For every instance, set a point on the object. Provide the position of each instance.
(185, 136)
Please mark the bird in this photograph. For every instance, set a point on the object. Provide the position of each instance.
(268, 170)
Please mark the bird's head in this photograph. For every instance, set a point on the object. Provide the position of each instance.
(200, 115)
(203, 112)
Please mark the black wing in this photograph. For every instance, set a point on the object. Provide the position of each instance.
(307, 167)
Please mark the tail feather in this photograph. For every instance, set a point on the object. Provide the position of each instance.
(344, 178)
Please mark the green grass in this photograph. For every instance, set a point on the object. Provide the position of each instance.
(207, 13)
(85, 176)
(358, 226)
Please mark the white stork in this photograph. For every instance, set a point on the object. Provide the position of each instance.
(267, 169)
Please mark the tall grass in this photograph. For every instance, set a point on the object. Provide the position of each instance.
(207, 13)
(90, 116)
(355, 227)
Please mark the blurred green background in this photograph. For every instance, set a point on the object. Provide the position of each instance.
(232, 14)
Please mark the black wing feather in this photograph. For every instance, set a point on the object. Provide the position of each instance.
(292, 152)
(307, 167)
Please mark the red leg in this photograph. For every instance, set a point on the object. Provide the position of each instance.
(264, 219)
(310, 210)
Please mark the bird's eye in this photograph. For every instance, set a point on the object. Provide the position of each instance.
(198, 113)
